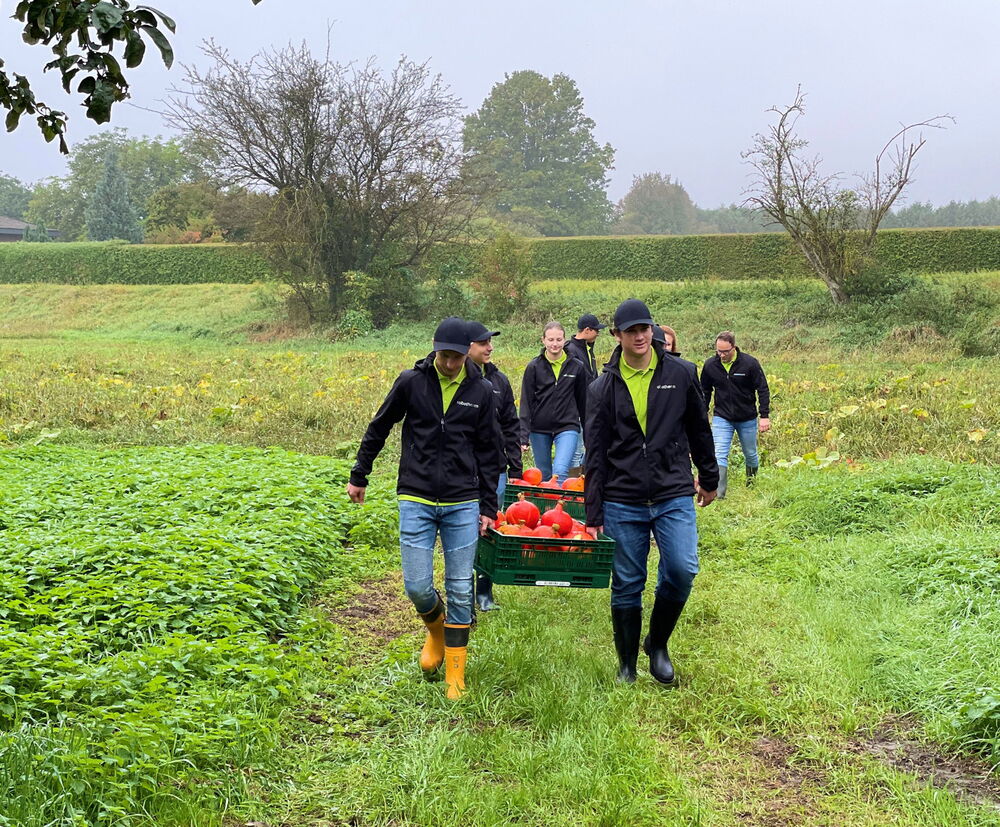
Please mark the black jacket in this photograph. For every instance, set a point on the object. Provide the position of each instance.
(510, 430)
(583, 351)
(446, 457)
(625, 465)
(735, 388)
(548, 406)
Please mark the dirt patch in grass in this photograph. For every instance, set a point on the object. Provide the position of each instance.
(784, 786)
(895, 743)
(378, 612)
(768, 786)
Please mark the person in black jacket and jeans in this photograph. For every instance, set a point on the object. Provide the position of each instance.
(582, 347)
(447, 486)
(739, 382)
(645, 418)
(481, 352)
(553, 404)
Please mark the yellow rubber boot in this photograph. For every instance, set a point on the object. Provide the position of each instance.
(432, 655)
(456, 642)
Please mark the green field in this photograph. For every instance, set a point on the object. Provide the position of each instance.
(199, 629)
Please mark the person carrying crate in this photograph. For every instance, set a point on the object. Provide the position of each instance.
(447, 486)
(481, 352)
(645, 416)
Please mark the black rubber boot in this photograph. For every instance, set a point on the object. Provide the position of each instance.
(723, 482)
(661, 625)
(484, 594)
(627, 625)
(751, 474)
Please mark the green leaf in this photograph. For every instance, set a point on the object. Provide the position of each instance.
(105, 17)
(158, 38)
(12, 118)
(167, 21)
(99, 103)
(135, 50)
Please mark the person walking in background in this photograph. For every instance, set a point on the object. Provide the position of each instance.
(740, 387)
(666, 337)
(669, 339)
(582, 347)
(447, 486)
(481, 352)
(582, 344)
(553, 404)
(646, 422)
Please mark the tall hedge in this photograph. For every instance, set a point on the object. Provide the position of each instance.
(116, 263)
(656, 258)
(753, 255)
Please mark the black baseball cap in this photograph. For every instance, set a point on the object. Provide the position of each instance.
(589, 320)
(452, 334)
(478, 332)
(659, 335)
(632, 312)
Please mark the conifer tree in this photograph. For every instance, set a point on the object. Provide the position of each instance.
(110, 213)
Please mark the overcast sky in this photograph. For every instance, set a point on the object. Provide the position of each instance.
(675, 87)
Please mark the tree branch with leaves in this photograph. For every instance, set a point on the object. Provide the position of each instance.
(84, 36)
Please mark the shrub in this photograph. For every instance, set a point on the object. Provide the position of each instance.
(502, 276)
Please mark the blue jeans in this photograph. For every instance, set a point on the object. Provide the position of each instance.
(722, 433)
(501, 487)
(458, 526)
(541, 448)
(578, 454)
(673, 524)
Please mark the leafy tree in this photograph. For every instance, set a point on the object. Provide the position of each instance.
(834, 226)
(36, 232)
(176, 204)
(365, 169)
(110, 213)
(55, 203)
(148, 165)
(733, 219)
(656, 205)
(551, 173)
(14, 197)
(83, 35)
(954, 214)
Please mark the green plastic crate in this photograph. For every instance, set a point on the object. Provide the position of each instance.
(505, 560)
(542, 498)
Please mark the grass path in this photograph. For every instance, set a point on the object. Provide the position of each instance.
(783, 716)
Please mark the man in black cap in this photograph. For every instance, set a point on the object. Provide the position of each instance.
(481, 352)
(645, 417)
(582, 347)
(582, 344)
(447, 485)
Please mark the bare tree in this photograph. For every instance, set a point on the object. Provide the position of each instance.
(367, 168)
(834, 225)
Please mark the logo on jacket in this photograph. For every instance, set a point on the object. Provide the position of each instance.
(665, 387)
(467, 404)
